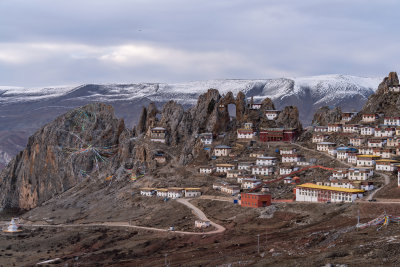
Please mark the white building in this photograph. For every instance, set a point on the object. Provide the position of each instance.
(334, 128)
(367, 130)
(233, 173)
(245, 134)
(272, 114)
(366, 160)
(285, 170)
(367, 186)
(222, 151)
(192, 192)
(324, 146)
(266, 161)
(256, 154)
(287, 150)
(392, 121)
(202, 224)
(206, 138)
(245, 177)
(332, 151)
(244, 166)
(206, 169)
(319, 193)
(347, 116)
(351, 128)
(290, 158)
(392, 142)
(356, 141)
(384, 153)
(318, 138)
(255, 106)
(162, 192)
(386, 165)
(158, 134)
(394, 88)
(369, 117)
(230, 189)
(262, 170)
(352, 158)
(250, 184)
(398, 177)
(175, 193)
(366, 150)
(376, 142)
(148, 192)
(224, 168)
(384, 132)
(321, 129)
(360, 174)
(351, 184)
(340, 173)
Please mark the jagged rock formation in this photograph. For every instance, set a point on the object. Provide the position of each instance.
(325, 115)
(147, 119)
(289, 118)
(383, 101)
(53, 162)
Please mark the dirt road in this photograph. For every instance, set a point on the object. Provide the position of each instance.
(196, 211)
(201, 215)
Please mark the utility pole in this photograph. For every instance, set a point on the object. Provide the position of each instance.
(165, 259)
(358, 217)
(258, 244)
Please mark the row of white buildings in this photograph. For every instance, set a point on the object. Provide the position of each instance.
(173, 193)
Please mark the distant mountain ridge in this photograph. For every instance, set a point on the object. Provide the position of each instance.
(24, 110)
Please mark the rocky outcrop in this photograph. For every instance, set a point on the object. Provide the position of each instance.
(147, 119)
(59, 155)
(383, 101)
(267, 104)
(325, 115)
(289, 118)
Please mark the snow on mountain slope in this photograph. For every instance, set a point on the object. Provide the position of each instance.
(323, 88)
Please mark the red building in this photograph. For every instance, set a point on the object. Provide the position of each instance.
(255, 200)
(278, 134)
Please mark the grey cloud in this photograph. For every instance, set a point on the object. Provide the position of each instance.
(57, 42)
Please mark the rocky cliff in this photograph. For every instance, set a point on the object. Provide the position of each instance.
(60, 155)
(325, 115)
(383, 101)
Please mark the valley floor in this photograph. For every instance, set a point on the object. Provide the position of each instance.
(290, 235)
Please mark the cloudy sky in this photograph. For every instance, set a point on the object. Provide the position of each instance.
(54, 42)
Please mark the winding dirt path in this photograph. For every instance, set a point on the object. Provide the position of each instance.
(196, 211)
(200, 214)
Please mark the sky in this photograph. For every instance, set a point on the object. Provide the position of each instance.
(53, 42)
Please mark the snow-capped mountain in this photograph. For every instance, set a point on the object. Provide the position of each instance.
(24, 110)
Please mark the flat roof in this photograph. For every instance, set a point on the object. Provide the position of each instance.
(387, 160)
(367, 156)
(224, 165)
(257, 194)
(265, 157)
(331, 188)
(223, 146)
